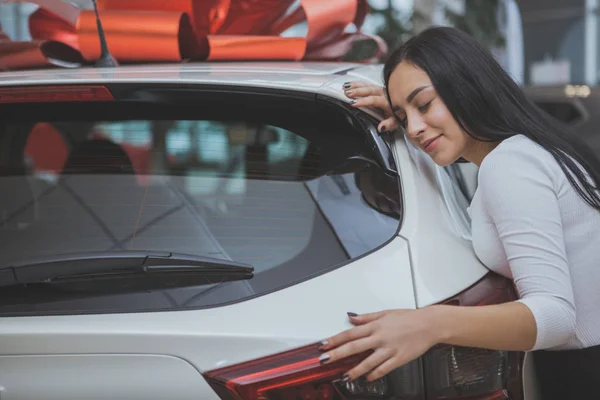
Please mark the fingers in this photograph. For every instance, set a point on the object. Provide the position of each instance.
(366, 318)
(369, 95)
(371, 101)
(364, 91)
(383, 369)
(389, 125)
(366, 94)
(348, 349)
(379, 357)
(360, 84)
(345, 337)
(354, 333)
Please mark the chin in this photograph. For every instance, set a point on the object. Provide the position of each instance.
(442, 161)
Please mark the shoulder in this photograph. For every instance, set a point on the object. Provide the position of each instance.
(517, 159)
(519, 173)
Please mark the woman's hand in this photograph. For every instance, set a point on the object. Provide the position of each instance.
(396, 337)
(369, 95)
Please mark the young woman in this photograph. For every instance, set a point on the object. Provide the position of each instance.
(535, 217)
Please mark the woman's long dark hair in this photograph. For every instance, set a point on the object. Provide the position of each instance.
(489, 105)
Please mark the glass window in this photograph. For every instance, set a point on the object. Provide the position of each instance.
(233, 190)
(46, 150)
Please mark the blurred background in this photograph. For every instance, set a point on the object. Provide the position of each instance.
(541, 42)
(550, 47)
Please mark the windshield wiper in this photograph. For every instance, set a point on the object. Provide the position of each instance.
(123, 271)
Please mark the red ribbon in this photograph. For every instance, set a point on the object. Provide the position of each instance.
(178, 30)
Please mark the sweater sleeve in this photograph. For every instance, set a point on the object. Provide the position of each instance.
(519, 195)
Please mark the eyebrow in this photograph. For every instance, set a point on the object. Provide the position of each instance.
(411, 96)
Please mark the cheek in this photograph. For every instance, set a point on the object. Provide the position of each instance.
(413, 140)
(440, 117)
(444, 121)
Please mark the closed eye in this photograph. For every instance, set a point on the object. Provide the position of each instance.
(425, 107)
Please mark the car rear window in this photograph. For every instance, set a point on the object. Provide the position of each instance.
(233, 189)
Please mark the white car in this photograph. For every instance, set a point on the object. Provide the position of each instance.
(193, 231)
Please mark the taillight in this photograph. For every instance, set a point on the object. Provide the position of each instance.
(46, 94)
(444, 372)
(298, 375)
(453, 372)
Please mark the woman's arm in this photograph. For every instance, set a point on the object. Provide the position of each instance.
(400, 336)
(509, 326)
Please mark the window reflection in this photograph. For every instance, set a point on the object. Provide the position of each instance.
(249, 192)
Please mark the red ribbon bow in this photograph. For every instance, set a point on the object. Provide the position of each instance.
(178, 30)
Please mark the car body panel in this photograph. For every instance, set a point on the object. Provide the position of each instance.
(122, 376)
(443, 262)
(313, 77)
(211, 338)
(307, 77)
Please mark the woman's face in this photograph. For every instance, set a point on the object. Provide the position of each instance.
(428, 123)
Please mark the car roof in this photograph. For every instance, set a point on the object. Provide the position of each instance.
(303, 76)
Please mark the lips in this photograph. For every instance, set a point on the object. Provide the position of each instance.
(427, 144)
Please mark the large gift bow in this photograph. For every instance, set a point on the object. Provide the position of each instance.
(180, 30)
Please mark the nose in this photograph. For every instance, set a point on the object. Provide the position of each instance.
(415, 125)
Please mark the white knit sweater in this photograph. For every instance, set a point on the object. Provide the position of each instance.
(529, 224)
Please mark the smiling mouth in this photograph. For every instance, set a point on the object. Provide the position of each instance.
(428, 144)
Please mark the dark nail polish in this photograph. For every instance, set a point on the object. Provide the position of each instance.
(345, 379)
(322, 344)
(351, 314)
(383, 132)
(346, 85)
(353, 102)
(324, 358)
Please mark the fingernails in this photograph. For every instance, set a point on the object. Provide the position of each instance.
(348, 92)
(346, 379)
(347, 85)
(351, 314)
(324, 358)
(353, 102)
(323, 344)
